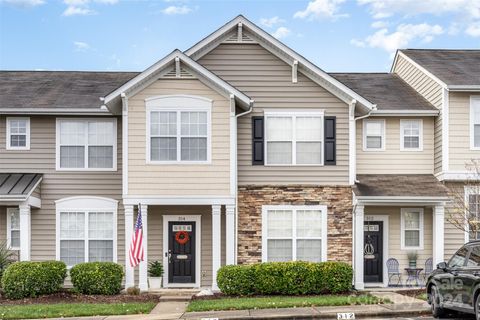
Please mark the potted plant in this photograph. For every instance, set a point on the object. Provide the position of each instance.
(155, 274)
(412, 259)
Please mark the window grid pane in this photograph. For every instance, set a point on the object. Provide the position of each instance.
(72, 251)
(279, 223)
(411, 134)
(374, 134)
(309, 250)
(279, 250)
(100, 250)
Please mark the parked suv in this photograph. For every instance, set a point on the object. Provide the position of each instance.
(456, 285)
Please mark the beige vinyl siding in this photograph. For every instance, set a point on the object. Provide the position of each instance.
(59, 184)
(430, 90)
(3, 224)
(394, 235)
(454, 237)
(268, 80)
(392, 160)
(179, 179)
(155, 235)
(459, 131)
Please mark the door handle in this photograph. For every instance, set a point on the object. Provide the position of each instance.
(169, 256)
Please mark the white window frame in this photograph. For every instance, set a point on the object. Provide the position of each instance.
(9, 228)
(364, 129)
(420, 134)
(294, 115)
(86, 121)
(86, 204)
(178, 104)
(27, 135)
(294, 238)
(468, 191)
(472, 124)
(421, 228)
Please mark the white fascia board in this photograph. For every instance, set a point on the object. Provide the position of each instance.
(418, 66)
(193, 66)
(266, 38)
(177, 200)
(462, 88)
(405, 113)
(56, 111)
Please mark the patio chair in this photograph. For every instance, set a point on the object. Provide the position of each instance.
(428, 268)
(393, 271)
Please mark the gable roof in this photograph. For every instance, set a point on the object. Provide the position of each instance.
(388, 91)
(283, 52)
(164, 65)
(458, 69)
(57, 91)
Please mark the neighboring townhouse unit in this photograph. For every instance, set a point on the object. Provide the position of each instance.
(249, 148)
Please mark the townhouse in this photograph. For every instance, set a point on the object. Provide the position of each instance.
(238, 150)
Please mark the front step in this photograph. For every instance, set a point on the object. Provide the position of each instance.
(176, 298)
(175, 292)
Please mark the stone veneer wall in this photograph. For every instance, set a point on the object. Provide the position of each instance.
(252, 198)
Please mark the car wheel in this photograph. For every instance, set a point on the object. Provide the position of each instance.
(477, 307)
(437, 310)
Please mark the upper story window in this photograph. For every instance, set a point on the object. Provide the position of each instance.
(294, 138)
(178, 129)
(373, 135)
(411, 135)
(412, 228)
(475, 123)
(472, 212)
(18, 133)
(294, 233)
(86, 230)
(86, 144)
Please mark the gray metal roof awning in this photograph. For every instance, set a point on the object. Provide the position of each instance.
(18, 186)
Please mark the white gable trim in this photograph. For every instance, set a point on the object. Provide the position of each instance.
(153, 72)
(282, 52)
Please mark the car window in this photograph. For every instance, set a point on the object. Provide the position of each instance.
(458, 259)
(474, 258)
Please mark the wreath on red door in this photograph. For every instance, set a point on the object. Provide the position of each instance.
(182, 237)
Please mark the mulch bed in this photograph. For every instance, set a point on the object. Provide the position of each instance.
(219, 295)
(71, 297)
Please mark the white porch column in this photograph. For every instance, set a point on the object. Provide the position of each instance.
(142, 275)
(438, 234)
(25, 231)
(230, 234)
(358, 267)
(216, 243)
(129, 272)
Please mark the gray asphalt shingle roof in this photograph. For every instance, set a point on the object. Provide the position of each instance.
(395, 185)
(58, 89)
(386, 90)
(453, 67)
(18, 184)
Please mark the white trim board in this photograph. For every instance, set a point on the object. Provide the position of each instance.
(386, 233)
(182, 218)
(178, 200)
(280, 50)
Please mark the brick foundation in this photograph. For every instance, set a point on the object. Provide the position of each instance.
(252, 198)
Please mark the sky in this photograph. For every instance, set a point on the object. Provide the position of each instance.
(130, 35)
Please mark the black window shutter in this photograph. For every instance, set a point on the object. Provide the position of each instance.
(330, 143)
(257, 140)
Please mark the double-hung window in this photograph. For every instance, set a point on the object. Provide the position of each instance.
(411, 135)
(472, 214)
(179, 136)
(13, 228)
(292, 233)
(18, 133)
(412, 228)
(475, 123)
(294, 138)
(86, 235)
(86, 144)
(373, 135)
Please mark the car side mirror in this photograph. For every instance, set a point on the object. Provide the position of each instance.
(442, 265)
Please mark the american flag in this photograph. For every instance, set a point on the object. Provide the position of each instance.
(136, 247)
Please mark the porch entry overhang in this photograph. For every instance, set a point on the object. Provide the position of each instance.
(184, 261)
(378, 199)
(20, 192)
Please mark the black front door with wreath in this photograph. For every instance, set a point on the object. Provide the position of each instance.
(181, 252)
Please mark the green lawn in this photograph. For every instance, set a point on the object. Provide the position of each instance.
(243, 303)
(72, 310)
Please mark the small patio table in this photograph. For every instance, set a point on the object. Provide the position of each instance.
(413, 275)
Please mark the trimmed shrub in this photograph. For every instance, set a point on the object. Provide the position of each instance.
(236, 280)
(285, 278)
(97, 278)
(31, 279)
